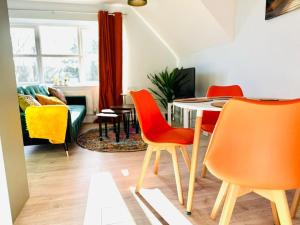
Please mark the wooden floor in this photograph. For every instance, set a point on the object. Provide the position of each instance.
(59, 187)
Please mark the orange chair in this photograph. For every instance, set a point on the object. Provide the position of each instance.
(255, 148)
(295, 203)
(209, 118)
(157, 133)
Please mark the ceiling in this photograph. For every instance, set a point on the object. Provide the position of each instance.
(191, 25)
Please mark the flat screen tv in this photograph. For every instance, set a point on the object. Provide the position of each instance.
(187, 84)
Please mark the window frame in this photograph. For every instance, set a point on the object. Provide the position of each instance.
(39, 56)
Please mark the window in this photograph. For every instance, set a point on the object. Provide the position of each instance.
(55, 54)
(90, 54)
(25, 52)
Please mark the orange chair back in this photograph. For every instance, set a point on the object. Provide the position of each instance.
(148, 113)
(210, 117)
(257, 144)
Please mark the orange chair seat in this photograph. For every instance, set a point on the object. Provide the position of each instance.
(208, 127)
(181, 136)
(210, 118)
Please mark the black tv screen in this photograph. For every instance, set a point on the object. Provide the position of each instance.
(187, 84)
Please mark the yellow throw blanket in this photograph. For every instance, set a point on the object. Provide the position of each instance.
(47, 122)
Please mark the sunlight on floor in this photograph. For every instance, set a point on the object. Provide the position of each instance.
(105, 204)
(158, 208)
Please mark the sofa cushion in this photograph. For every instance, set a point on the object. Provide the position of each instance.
(26, 101)
(77, 113)
(48, 100)
(58, 94)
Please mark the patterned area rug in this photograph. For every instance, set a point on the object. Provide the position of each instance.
(90, 140)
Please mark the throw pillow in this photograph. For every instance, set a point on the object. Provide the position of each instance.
(46, 100)
(58, 94)
(27, 100)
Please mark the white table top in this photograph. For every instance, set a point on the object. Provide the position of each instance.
(199, 105)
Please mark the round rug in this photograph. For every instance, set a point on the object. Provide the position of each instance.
(90, 140)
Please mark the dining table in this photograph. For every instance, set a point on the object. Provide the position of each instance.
(199, 105)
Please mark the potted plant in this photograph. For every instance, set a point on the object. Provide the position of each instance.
(166, 83)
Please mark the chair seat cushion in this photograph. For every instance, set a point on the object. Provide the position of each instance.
(183, 136)
(208, 127)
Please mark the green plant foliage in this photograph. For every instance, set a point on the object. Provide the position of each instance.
(167, 83)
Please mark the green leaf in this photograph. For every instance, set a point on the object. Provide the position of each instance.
(166, 83)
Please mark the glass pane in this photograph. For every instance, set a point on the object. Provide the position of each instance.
(90, 68)
(59, 40)
(26, 69)
(58, 69)
(23, 40)
(90, 41)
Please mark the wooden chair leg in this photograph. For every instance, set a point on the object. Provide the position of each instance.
(186, 157)
(203, 171)
(282, 207)
(156, 163)
(144, 169)
(229, 204)
(204, 168)
(220, 200)
(177, 175)
(275, 214)
(295, 203)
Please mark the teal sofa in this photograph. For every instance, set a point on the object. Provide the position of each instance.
(76, 115)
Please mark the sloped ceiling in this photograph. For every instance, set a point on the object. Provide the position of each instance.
(191, 25)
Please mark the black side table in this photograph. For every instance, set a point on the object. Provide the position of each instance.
(133, 113)
(125, 116)
(108, 118)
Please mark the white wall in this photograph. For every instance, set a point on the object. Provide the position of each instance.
(264, 57)
(144, 53)
(10, 126)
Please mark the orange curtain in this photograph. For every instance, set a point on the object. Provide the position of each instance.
(110, 59)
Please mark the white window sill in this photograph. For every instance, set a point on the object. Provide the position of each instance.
(89, 84)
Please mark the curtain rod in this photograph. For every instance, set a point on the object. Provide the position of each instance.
(59, 11)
